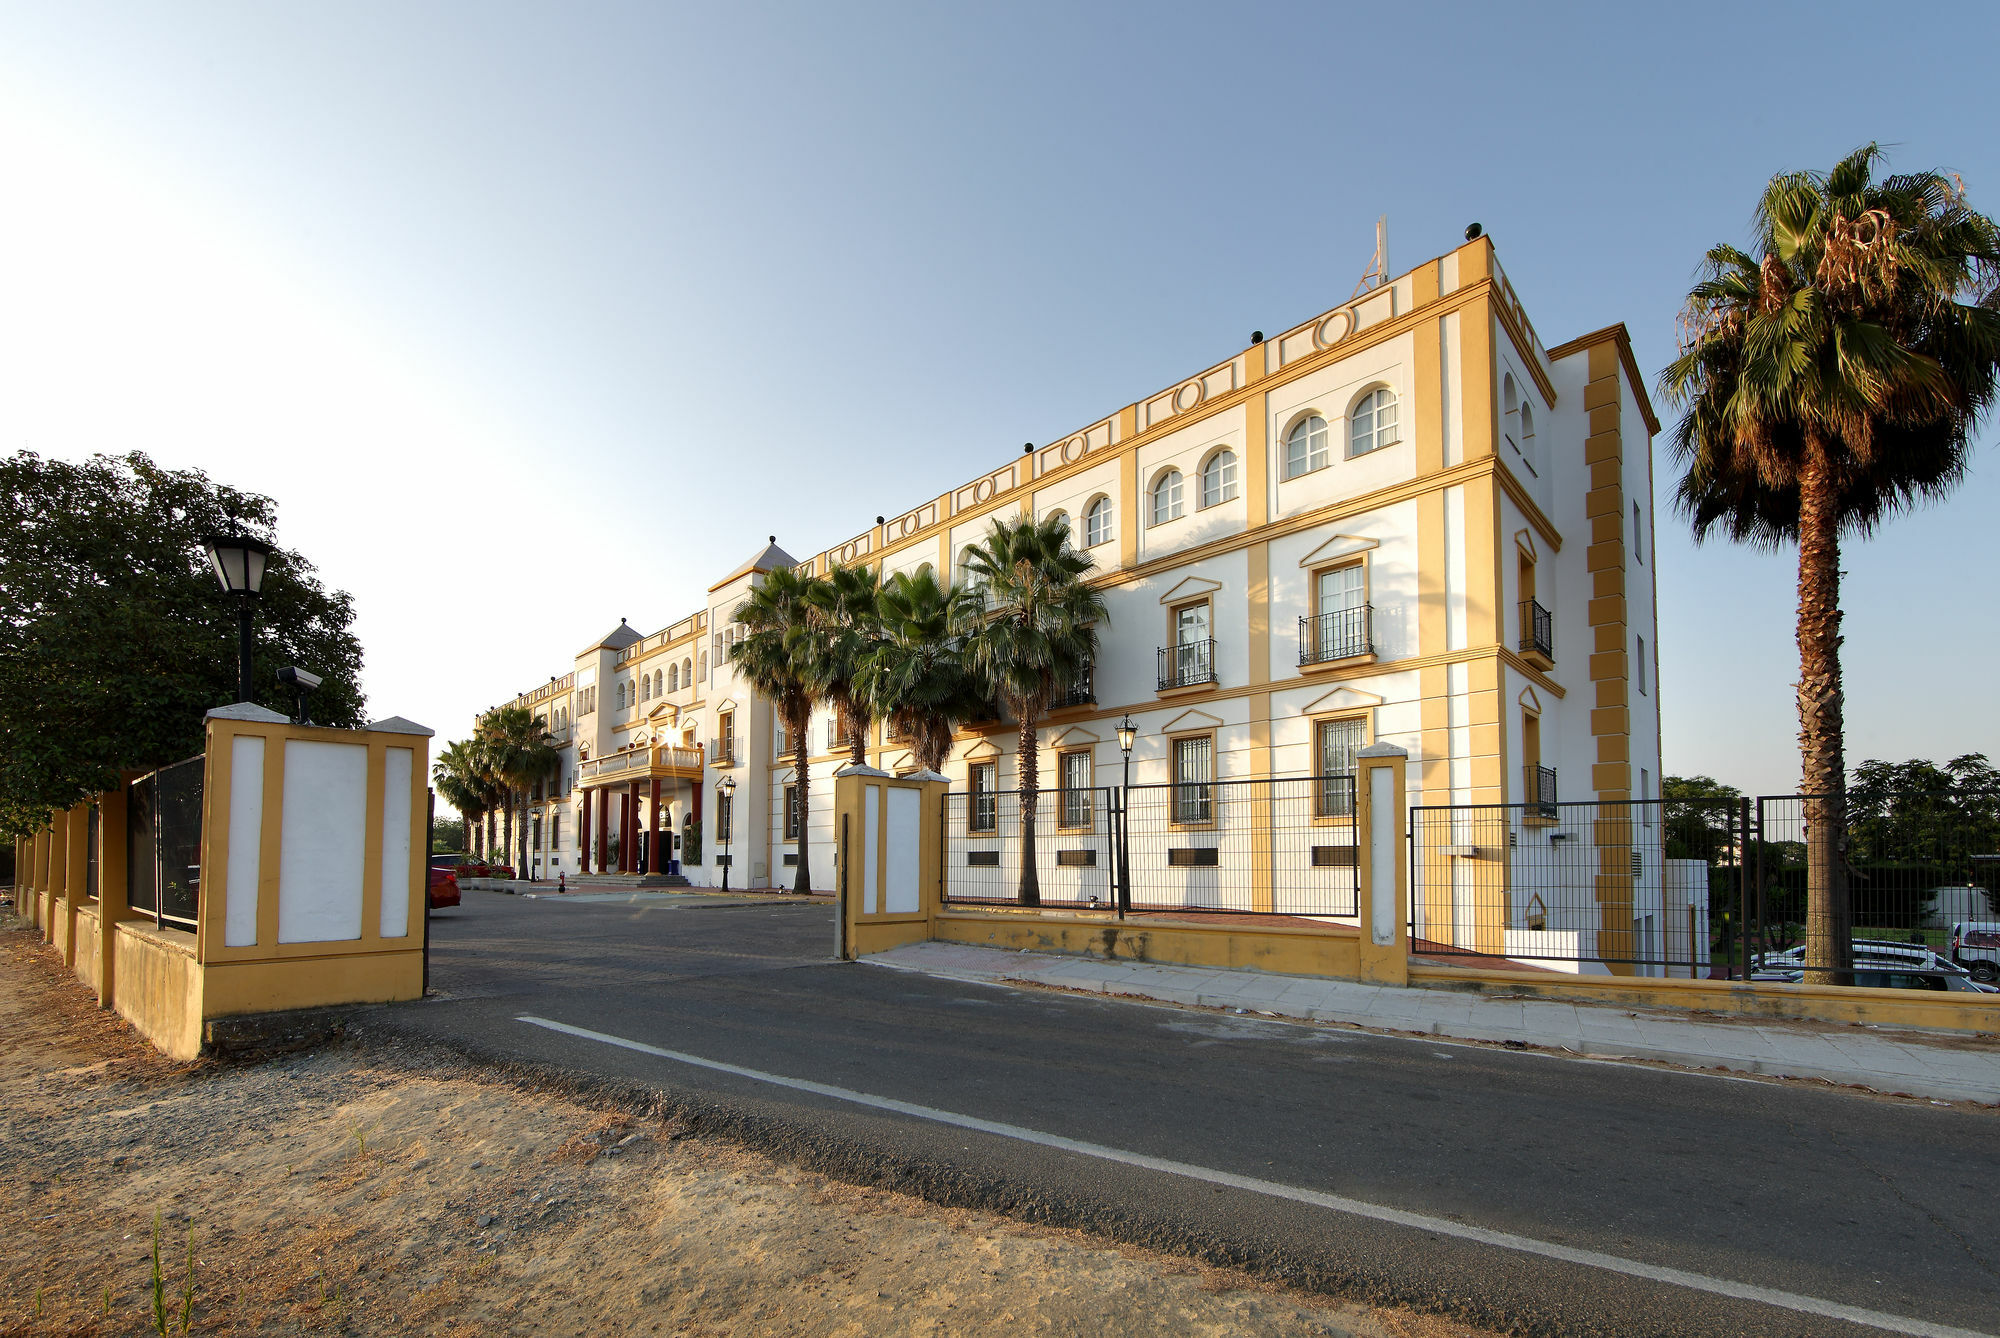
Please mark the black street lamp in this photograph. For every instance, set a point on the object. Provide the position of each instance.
(728, 816)
(1127, 731)
(239, 563)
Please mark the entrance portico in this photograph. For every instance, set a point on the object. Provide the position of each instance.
(628, 799)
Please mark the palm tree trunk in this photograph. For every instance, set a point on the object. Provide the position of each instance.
(507, 827)
(523, 868)
(802, 877)
(857, 739)
(1829, 916)
(1031, 784)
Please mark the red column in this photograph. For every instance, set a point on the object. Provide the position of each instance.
(603, 828)
(656, 858)
(632, 828)
(583, 837)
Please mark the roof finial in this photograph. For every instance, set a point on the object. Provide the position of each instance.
(774, 538)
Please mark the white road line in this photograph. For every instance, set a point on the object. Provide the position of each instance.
(1438, 1226)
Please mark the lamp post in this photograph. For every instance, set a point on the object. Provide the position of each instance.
(239, 563)
(1127, 731)
(728, 816)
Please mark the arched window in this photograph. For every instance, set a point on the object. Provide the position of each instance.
(1527, 426)
(620, 695)
(1218, 479)
(1167, 497)
(659, 682)
(1373, 422)
(673, 678)
(645, 687)
(966, 577)
(1063, 518)
(1305, 447)
(1097, 523)
(924, 569)
(687, 673)
(704, 666)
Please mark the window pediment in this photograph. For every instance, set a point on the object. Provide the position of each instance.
(1190, 720)
(1338, 547)
(1194, 587)
(1342, 698)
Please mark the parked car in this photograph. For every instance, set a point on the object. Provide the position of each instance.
(1975, 945)
(1881, 964)
(443, 884)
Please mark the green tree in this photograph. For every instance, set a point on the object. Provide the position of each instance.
(518, 753)
(1032, 618)
(845, 630)
(447, 836)
(114, 637)
(1696, 816)
(461, 778)
(1828, 383)
(779, 621)
(917, 677)
(1933, 821)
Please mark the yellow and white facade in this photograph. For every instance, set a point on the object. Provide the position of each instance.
(1405, 521)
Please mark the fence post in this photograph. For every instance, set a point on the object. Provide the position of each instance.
(1381, 863)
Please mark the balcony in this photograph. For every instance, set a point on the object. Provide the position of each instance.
(1541, 789)
(662, 762)
(1341, 634)
(1538, 635)
(722, 752)
(1081, 691)
(1188, 665)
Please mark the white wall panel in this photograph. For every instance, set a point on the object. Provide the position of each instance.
(326, 812)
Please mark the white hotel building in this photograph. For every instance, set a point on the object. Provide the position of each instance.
(1406, 520)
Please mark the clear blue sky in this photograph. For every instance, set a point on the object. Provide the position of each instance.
(493, 264)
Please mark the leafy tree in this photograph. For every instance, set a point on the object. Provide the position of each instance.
(114, 637)
(917, 676)
(518, 753)
(1032, 619)
(1828, 383)
(845, 629)
(1930, 821)
(1696, 816)
(779, 621)
(447, 836)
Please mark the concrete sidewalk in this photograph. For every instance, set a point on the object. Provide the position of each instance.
(1905, 1061)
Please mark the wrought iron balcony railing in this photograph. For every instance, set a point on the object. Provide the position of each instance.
(1542, 792)
(1187, 665)
(1080, 692)
(1538, 631)
(1339, 634)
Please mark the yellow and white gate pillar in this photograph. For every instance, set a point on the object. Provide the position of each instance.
(1383, 878)
(889, 861)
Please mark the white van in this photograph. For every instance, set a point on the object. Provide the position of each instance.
(1975, 945)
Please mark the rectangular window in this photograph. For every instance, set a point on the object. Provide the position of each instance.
(1638, 538)
(1639, 665)
(725, 815)
(791, 812)
(1194, 772)
(725, 727)
(1074, 769)
(1193, 658)
(1340, 612)
(555, 830)
(1337, 742)
(985, 815)
(1646, 792)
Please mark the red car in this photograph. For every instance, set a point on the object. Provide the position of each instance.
(444, 881)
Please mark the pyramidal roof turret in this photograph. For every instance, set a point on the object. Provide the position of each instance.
(772, 558)
(618, 638)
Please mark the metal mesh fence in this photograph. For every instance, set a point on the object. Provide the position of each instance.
(1252, 847)
(1576, 885)
(163, 844)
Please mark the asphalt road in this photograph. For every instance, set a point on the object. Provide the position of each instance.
(1891, 1208)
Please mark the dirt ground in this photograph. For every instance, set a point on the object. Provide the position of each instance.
(325, 1193)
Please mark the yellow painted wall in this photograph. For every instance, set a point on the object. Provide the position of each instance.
(1334, 951)
(235, 988)
(159, 986)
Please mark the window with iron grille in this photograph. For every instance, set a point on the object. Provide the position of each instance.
(1074, 771)
(1336, 744)
(985, 806)
(791, 812)
(1194, 772)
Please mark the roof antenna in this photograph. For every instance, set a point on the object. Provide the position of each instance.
(1378, 269)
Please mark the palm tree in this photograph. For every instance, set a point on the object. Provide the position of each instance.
(917, 677)
(519, 753)
(846, 630)
(774, 652)
(1829, 383)
(456, 775)
(1031, 617)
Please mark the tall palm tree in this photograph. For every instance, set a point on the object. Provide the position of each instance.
(917, 677)
(1828, 383)
(1032, 620)
(846, 630)
(519, 753)
(456, 775)
(779, 621)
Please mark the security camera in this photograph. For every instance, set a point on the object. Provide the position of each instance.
(303, 679)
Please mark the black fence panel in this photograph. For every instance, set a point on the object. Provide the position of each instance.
(1251, 847)
(163, 844)
(1649, 886)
